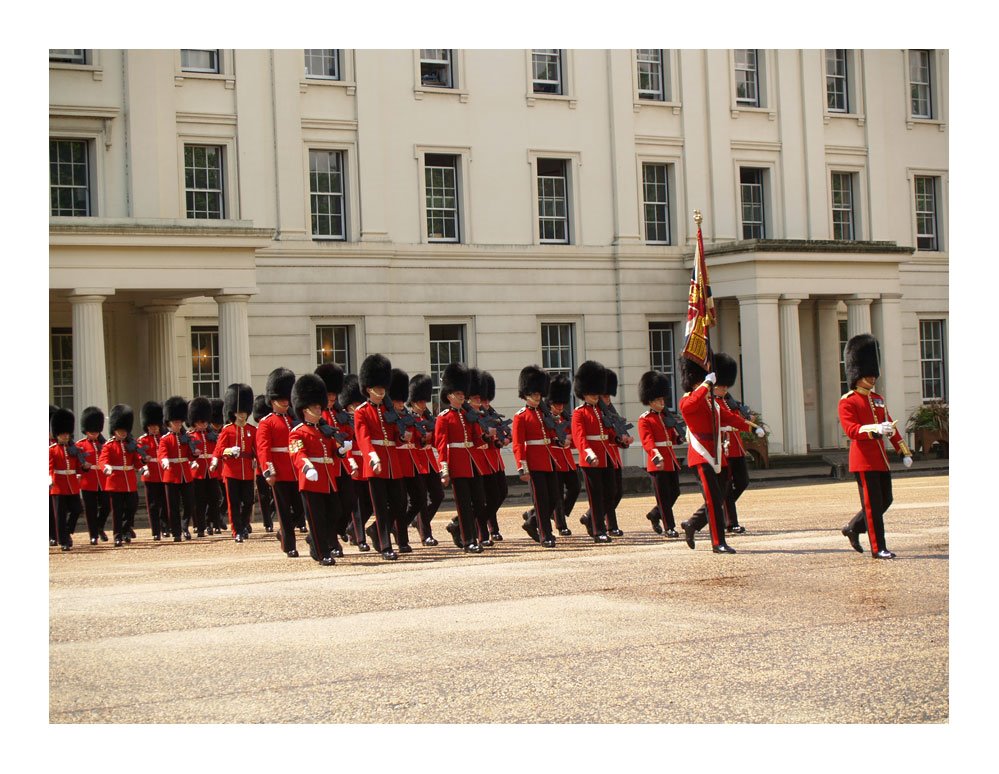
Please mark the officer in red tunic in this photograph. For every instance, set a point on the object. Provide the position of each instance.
(350, 400)
(151, 417)
(590, 436)
(265, 496)
(218, 507)
(485, 462)
(65, 466)
(402, 452)
(704, 417)
(455, 438)
(657, 441)
(494, 454)
(343, 424)
(274, 455)
(199, 414)
(236, 453)
(176, 456)
(559, 395)
(96, 504)
(425, 493)
(727, 370)
(532, 453)
(121, 464)
(376, 439)
(866, 422)
(315, 459)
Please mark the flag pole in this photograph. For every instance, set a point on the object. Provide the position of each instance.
(698, 253)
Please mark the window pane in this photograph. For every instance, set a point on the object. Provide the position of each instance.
(69, 178)
(205, 377)
(661, 356)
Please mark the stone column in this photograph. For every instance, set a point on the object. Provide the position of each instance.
(90, 375)
(827, 322)
(162, 379)
(858, 315)
(792, 383)
(886, 315)
(234, 339)
(761, 378)
(372, 125)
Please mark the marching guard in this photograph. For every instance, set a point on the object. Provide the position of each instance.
(495, 483)
(235, 451)
(485, 463)
(727, 370)
(218, 504)
(566, 478)
(265, 496)
(657, 441)
(96, 504)
(120, 462)
(425, 491)
(590, 436)
(151, 417)
(65, 466)
(176, 458)
(350, 399)
(342, 423)
(274, 456)
(199, 414)
(532, 452)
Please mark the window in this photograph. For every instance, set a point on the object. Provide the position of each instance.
(652, 82)
(322, 63)
(326, 194)
(440, 174)
(205, 379)
(926, 213)
(558, 350)
(199, 60)
(553, 201)
(920, 83)
(333, 345)
(842, 205)
(753, 213)
(203, 181)
(655, 187)
(69, 55)
(932, 359)
(69, 178)
(437, 67)
(661, 356)
(61, 344)
(447, 345)
(546, 66)
(747, 77)
(843, 338)
(837, 81)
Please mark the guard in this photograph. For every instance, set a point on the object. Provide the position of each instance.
(593, 441)
(151, 417)
(96, 504)
(426, 493)
(532, 453)
(236, 452)
(657, 441)
(120, 462)
(176, 456)
(65, 467)
(274, 456)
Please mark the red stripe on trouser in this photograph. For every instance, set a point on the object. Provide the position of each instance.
(712, 517)
(457, 507)
(869, 515)
(55, 517)
(659, 501)
(229, 502)
(537, 507)
(589, 498)
(312, 527)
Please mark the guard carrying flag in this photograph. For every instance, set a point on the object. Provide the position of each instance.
(700, 307)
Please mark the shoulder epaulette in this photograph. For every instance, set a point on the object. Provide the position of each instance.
(521, 411)
(847, 395)
(54, 443)
(444, 411)
(645, 413)
(298, 426)
(264, 417)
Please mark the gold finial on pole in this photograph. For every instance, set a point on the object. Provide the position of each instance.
(698, 217)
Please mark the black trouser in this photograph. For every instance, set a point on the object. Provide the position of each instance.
(322, 511)
(287, 503)
(496, 491)
(600, 493)
(175, 495)
(155, 504)
(266, 499)
(567, 488)
(616, 482)
(96, 506)
(362, 510)
(425, 496)
(388, 496)
(738, 481)
(200, 486)
(713, 486)
(545, 495)
(875, 498)
(470, 502)
(348, 501)
(65, 508)
(666, 487)
(214, 518)
(123, 508)
(240, 496)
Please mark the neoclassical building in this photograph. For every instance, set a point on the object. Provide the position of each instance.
(217, 213)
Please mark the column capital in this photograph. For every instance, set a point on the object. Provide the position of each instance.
(233, 298)
(861, 299)
(759, 298)
(168, 305)
(89, 295)
(795, 297)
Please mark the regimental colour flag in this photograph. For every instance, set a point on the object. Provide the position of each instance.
(700, 310)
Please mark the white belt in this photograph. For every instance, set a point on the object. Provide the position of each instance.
(176, 459)
(405, 446)
(383, 443)
(542, 442)
(596, 438)
(279, 448)
(356, 453)
(664, 443)
(327, 460)
(121, 467)
(461, 445)
(65, 472)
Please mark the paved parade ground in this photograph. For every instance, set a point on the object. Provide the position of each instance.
(795, 628)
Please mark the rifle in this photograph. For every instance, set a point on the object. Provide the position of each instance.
(615, 421)
(192, 443)
(501, 423)
(75, 451)
(133, 447)
(425, 424)
(403, 419)
(487, 423)
(746, 412)
(562, 427)
(331, 432)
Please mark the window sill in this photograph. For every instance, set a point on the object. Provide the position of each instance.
(95, 70)
(443, 241)
(349, 86)
(833, 115)
(328, 239)
(419, 91)
(738, 109)
(911, 122)
(182, 75)
(532, 97)
(657, 103)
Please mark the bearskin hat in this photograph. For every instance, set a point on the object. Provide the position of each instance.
(175, 407)
(474, 383)
(199, 410)
(279, 384)
(454, 379)
(262, 407)
(92, 420)
(61, 421)
(532, 379)
(861, 358)
(398, 385)
(691, 374)
(309, 390)
(332, 375)
(726, 369)
(652, 385)
(559, 389)
(238, 397)
(121, 418)
(590, 379)
(351, 392)
(217, 411)
(488, 386)
(421, 387)
(611, 386)
(151, 413)
(376, 371)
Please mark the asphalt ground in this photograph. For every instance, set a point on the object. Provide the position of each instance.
(795, 628)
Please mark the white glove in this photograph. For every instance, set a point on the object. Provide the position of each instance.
(107, 470)
(311, 474)
(726, 429)
(194, 466)
(760, 432)
(711, 378)
(907, 461)
(144, 471)
(887, 429)
(657, 460)
(165, 464)
(233, 451)
(591, 458)
(347, 446)
(871, 429)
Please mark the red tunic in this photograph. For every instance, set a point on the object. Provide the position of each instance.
(656, 436)
(455, 439)
(697, 408)
(375, 435)
(561, 454)
(92, 479)
(589, 433)
(64, 471)
(310, 448)
(531, 442)
(205, 451)
(423, 449)
(181, 459)
(241, 467)
(124, 476)
(867, 451)
(273, 433)
(150, 444)
(483, 458)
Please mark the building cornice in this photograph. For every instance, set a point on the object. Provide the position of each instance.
(124, 232)
(826, 246)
